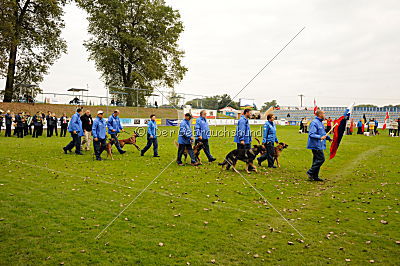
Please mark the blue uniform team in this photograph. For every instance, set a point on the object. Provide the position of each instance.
(243, 137)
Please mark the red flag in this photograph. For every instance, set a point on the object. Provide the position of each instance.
(386, 119)
(315, 107)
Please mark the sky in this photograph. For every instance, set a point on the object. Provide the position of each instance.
(348, 52)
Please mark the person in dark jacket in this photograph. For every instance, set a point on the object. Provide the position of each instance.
(64, 125)
(1, 120)
(87, 123)
(54, 117)
(19, 121)
(49, 125)
(37, 125)
(8, 119)
(317, 143)
(151, 137)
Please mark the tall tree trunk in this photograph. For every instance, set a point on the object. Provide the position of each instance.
(9, 90)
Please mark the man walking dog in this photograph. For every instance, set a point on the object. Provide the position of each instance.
(269, 137)
(151, 137)
(243, 133)
(99, 135)
(114, 127)
(202, 132)
(317, 144)
(185, 139)
(75, 128)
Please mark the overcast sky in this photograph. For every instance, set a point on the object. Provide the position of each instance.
(349, 51)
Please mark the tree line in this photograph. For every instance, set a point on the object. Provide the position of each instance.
(134, 44)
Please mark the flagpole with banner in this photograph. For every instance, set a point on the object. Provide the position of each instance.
(339, 129)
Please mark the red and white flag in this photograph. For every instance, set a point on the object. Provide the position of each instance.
(315, 107)
(386, 119)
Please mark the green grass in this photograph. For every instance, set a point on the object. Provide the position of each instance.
(54, 205)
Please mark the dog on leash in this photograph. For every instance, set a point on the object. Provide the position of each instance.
(278, 150)
(131, 140)
(196, 150)
(108, 148)
(245, 155)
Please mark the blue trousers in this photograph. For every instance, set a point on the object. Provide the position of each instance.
(151, 141)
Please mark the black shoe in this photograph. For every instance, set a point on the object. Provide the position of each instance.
(79, 153)
(99, 159)
(122, 152)
(310, 177)
(212, 160)
(318, 179)
(141, 154)
(258, 160)
(180, 164)
(156, 156)
(65, 150)
(272, 166)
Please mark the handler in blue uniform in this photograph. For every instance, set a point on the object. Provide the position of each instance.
(185, 139)
(269, 137)
(317, 144)
(114, 127)
(243, 133)
(75, 128)
(202, 132)
(99, 135)
(151, 137)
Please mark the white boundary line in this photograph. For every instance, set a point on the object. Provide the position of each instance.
(137, 196)
(266, 200)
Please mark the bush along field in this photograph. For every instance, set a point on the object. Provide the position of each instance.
(53, 206)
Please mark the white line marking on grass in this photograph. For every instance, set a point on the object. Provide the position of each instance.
(137, 196)
(266, 200)
(65, 173)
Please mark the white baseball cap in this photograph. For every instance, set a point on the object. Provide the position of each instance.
(100, 112)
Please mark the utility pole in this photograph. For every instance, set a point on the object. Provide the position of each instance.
(301, 99)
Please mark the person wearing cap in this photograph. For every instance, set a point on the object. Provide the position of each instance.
(185, 140)
(202, 132)
(87, 123)
(99, 135)
(114, 127)
(75, 128)
(243, 133)
(151, 136)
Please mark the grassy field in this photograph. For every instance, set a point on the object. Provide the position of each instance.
(54, 205)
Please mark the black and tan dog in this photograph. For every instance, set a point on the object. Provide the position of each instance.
(196, 150)
(245, 155)
(278, 150)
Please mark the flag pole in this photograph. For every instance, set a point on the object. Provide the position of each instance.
(329, 132)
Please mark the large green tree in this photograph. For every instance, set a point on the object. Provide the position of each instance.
(214, 102)
(30, 42)
(134, 44)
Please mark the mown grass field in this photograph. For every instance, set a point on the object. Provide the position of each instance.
(54, 205)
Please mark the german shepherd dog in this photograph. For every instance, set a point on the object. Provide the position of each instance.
(108, 148)
(245, 155)
(278, 150)
(131, 140)
(196, 150)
